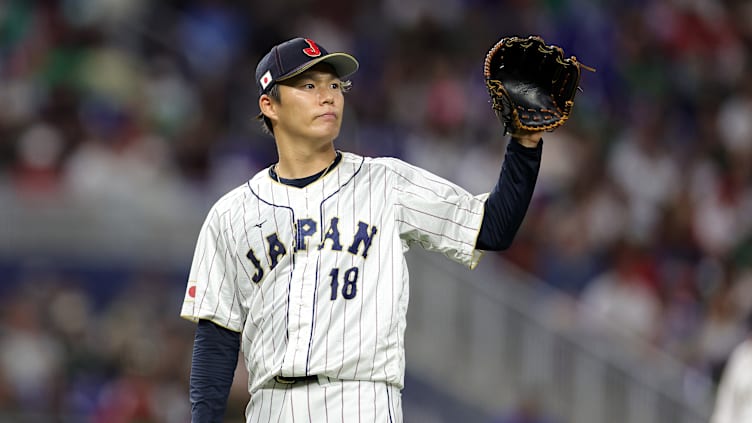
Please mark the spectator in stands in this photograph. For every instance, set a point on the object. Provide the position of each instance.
(622, 300)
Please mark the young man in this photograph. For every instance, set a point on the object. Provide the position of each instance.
(302, 267)
(733, 403)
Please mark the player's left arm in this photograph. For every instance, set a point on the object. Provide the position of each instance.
(507, 204)
(532, 86)
(529, 139)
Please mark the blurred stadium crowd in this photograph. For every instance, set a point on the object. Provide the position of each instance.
(643, 212)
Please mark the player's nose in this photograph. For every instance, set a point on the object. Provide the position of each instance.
(327, 96)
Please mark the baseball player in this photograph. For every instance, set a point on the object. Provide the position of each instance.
(302, 267)
(733, 402)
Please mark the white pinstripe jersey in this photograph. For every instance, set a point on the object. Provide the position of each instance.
(315, 278)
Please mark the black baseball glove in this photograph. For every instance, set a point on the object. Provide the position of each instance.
(531, 84)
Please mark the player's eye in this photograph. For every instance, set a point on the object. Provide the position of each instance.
(309, 86)
(335, 86)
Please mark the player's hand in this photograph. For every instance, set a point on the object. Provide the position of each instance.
(528, 138)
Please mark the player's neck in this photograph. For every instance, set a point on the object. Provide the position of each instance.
(299, 162)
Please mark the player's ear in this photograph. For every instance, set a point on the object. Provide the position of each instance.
(267, 106)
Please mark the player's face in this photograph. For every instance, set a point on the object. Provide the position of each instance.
(310, 105)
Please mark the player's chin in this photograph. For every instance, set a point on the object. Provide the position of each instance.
(327, 129)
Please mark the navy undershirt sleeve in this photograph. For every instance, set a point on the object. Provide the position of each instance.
(215, 356)
(507, 204)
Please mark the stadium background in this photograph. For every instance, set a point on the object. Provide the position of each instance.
(121, 121)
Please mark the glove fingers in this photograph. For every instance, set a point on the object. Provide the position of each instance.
(531, 84)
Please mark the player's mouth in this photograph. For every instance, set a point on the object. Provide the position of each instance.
(328, 116)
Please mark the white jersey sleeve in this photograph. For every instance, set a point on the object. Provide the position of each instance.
(437, 214)
(211, 293)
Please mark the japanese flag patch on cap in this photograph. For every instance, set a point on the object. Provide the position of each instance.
(265, 80)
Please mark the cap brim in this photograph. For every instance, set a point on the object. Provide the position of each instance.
(344, 65)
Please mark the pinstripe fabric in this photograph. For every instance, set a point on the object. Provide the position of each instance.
(315, 278)
(335, 401)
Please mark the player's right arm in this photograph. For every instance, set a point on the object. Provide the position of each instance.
(215, 356)
(212, 292)
(211, 300)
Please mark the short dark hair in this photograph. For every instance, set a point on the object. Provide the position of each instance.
(273, 93)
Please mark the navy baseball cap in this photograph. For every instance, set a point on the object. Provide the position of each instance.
(294, 57)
